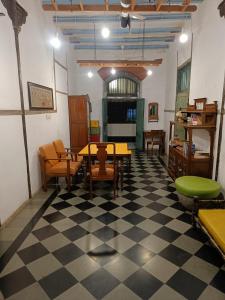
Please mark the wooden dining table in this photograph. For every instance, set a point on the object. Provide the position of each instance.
(122, 152)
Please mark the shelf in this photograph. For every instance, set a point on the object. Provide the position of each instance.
(198, 112)
(199, 126)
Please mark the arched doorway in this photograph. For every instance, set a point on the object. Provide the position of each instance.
(123, 110)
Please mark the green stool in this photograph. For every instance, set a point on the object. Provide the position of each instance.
(190, 187)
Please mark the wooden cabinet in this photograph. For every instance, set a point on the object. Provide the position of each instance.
(79, 118)
(187, 162)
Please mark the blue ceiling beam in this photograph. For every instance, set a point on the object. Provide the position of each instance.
(108, 18)
(123, 40)
(125, 47)
(74, 31)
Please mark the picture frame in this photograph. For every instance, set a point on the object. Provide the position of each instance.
(153, 112)
(200, 103)
(40, 97)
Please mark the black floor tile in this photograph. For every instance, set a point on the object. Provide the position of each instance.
(167, 234)
(61, 205)
(16, 281)
(80, 217)
(161, 218)
(67, 196)
(156, 206)
(75, 233)
(105, 233)
(57, 282)
(84, 205)
(218, 281)
(143, 284)
(139, 255)
(131, 196)
(107, 218)
(100, 283)
(152, 196)
(136, 234)
(45, 232)
(132, 206)
(103, 254)
(68, 253)
(134, 218)
(211, 255)
(175, 255)
(187, 285)
(108, 206)
(54, 217)
(32, 253)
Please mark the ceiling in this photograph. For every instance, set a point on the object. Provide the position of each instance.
(81, 22)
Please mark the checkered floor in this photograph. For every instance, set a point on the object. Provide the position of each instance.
(141, 246)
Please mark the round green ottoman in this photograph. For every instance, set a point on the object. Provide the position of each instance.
(189, 187)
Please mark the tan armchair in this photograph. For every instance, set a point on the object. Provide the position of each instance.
(53, 166)
(63, 152)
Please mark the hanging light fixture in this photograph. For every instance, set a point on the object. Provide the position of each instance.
(149, 72)
(55, 41)
(183, 38)
(105, 32)
(90, 74)
(113, 71)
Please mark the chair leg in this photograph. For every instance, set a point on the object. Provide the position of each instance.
(91, 189)
(114, 188)
(45, 184)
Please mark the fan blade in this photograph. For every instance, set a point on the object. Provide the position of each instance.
(2, 15)
(137, 17)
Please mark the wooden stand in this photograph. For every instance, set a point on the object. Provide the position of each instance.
(181, 163)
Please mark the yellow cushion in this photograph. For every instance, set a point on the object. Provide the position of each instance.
(48, 152)
(59, 146)
(214, 221)
(61, 168)
(109, 170)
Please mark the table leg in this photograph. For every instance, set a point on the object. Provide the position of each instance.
(121, 172)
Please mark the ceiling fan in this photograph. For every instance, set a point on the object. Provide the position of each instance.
(126, 17)
(2, 15)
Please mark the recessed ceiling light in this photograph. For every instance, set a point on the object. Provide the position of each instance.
(183, 38)
(90, 74)
(149, 72)
(105, 32)
(55, 42)
(113, 71)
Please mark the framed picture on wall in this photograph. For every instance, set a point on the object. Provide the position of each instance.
(153, 112)
(40, 97)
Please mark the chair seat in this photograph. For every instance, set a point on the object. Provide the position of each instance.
(109, 170)
(193, 186)
(61, 168)
(214, 221)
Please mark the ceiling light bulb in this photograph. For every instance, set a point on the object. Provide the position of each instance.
(90, 74)
(105, 32)
(55, 42)
(149, 72)
(183, 38)
(113, 71)
(125, 3)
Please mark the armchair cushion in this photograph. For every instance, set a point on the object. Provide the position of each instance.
(48, 152)
(59, 147)
(61, 168)
(214, 220)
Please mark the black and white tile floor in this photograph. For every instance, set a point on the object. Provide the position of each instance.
(140, 246)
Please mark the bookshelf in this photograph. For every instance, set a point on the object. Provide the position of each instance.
(182, 159)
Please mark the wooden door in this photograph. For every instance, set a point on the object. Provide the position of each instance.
(78, 116)
(140, 123)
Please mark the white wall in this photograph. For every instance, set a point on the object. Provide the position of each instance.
(208, 66)
(152, 88)
(37, 63)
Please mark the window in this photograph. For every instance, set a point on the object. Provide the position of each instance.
(122, 86)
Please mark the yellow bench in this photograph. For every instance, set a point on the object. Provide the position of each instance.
(210, 216)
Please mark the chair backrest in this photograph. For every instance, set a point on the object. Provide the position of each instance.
(154, 135)
(101, 155)
(48, 152)
(59, 147)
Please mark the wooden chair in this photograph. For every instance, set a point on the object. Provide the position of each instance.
(53, 166)
(99, 170)
(63, 152)
(154, 138)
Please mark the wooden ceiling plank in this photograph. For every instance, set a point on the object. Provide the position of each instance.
(119, 63)
(106, 4)
(133, 4)
(186, 3)
(81, 6)
(55, 5)
(159, 3)
(118, 8)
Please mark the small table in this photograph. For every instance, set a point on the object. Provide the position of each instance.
(122, 152)
(145, 133)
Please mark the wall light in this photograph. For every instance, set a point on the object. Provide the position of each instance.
(183, 38)
(105, 32)
(90, 74)
(113, 71)
(149, 72)
(55, 42)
